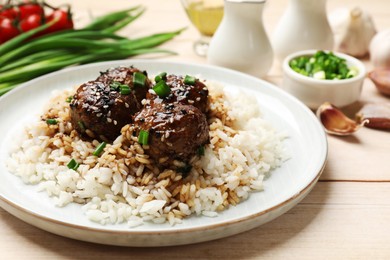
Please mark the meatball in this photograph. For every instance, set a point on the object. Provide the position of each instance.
(176, 131)
(125, 75)
(196, 94)
(100, 111)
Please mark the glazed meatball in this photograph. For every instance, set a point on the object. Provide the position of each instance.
(125, 75)
(196, 94)
(100, 111)
(176, 131)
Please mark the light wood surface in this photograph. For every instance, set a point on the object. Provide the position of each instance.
(346, 216)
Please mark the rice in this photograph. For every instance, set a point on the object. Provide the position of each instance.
(123, 185)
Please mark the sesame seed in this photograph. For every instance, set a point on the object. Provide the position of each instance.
(127, 105)
(109, 120)
(115, 122)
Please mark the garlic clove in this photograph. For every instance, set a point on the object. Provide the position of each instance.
(378, 115)
(336, 123)
(381, 79)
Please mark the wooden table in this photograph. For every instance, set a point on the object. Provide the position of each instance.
(346, 216)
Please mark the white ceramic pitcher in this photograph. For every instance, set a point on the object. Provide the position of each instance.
(303, 26)
(240, 41)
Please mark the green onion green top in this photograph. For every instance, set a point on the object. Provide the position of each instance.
(125, 90)
(122, 88)
(143, 137)
(201, 150)
(189, 80)
(323, 65)
(139, 79)
(162, 89)
(51, 121)
(99, 149)
(115, 86)
(81, 125)
(161, 76)
(69, 99)
(73, 164)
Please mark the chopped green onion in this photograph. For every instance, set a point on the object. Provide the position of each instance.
(99, 149)
(185, 169)
(143, 137)
(139, 79)
(81, 125)
(322, 65)
(201, 150)
(125, 90)
(161, 76)
(189, 80)
(51, 121)
(115, 85)
(73, 164)
(162, 89)
(69, 99)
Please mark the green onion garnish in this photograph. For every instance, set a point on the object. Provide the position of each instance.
(115, 85)
(201, 150)
(73, 164)
(81, 125)
(189, 80)
(143, 137)
(51, 121)
(162, 89)
(185, 169)
(69, 99)
(323, 65)
(125, 90)
(161, 76)
(139, 79)
(99, 149)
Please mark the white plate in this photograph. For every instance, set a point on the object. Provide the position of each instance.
(284, 189)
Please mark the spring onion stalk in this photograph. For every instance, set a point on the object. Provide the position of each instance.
(125, 90)
(99, 149)
(51, 121)
(101, 23)
(139, 79)
(143, 137)
(4, 90)
(189, 80)
(23, 58)
(123, 23)
(160, 76)
(162, 89)
(56, 63)
(73, 165)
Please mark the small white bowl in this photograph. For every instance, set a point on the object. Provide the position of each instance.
(314, 92)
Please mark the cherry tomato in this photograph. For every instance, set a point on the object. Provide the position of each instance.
(8, 12)
(64, 20)
(31, 22)
(27, 9)
(7, 30)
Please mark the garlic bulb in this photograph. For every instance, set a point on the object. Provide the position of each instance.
(353, 31)
(380, 49)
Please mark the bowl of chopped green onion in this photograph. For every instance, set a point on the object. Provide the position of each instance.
(317, 76)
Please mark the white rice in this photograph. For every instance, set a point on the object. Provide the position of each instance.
(121, 186)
